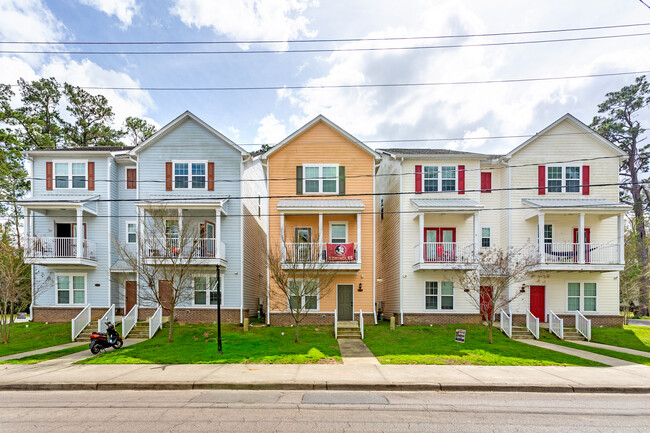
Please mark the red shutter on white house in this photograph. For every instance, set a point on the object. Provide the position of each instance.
(585, 180)
(91, 176)
(49, 176)
(418, 179)
(541, 180)
(461, 179)
(168, 176)
(486, 182)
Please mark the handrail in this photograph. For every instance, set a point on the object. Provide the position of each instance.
(129, 321)
(336, 326)
(505, 323)
(532, 324)
(361, 322)
(57, 247)
(444, 252)
(108, 315)
(155, 322)
(556, 325)
(583, 325)
(80, 322)
(374, 315)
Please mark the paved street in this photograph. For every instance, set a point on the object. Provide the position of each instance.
(316, 411)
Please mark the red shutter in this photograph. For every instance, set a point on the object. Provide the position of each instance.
(541, 180)
(210, 176)
(461, 179)
(131, 178)
(168, 176)
(418, 179)
(91, 176)
(49, 184)
(585, 180)
(486, 182)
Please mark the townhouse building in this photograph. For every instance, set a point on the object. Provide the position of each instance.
(88, 203)
(555, 197)
(321, 185)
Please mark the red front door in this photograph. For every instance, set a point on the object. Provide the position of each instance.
(487, 305)
(538, 302)
(587, 242)
(131, 295)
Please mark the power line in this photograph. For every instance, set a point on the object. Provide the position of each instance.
(298, 41)
(327, 50)
(644, 4)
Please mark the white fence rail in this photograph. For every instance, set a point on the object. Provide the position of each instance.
(569, 252)
(57, 248)
(361, 323)
(336, 325)
(583, 325)
(155, 322)
(444, 252)
(80, 322)
(129, 321)
(108, 315)
(556, 325)
(319, 253)
(532, 324)
(506, 324)
(200, 248)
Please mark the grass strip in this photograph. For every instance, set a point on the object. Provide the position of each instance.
(35, 359)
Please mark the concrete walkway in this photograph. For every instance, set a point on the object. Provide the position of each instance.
(614, 348)
(607, 360)
(43, 350)
(639, 322)
(355, 351)
(68, 359)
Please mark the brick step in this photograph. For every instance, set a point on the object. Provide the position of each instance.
(349, 337)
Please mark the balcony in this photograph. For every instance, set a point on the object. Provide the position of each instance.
(321, 256)
(444, 255)
(59, 251)
(196, 251)
(570, 256)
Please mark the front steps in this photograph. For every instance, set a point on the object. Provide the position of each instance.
(141, 328)
(348, 331)
(521, 333)
(572, 334)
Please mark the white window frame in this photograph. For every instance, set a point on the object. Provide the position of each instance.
(490, 237)
(543, 240)
(208, 290)
(69, 162)
(189, 175)
(439, 296)
(135, 232)
(564, 179)
(70, 287)
(581, 297)
(178, 224)
(439, 179)
(302, 298)
(345, 223)
(320, 178)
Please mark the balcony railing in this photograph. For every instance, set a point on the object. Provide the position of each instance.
(569, 252)
(172, 248)
(444, 252)
(319, 253)
(58, 248)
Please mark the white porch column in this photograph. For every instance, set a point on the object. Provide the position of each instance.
(477, 233)
(421, 237)
(80, 232)
(621, 239)
(320, 232)
(28, 223)
(358, 238)
(283, 250)
(581, 238)
(540, 237)
(217, 233)
(180, 221)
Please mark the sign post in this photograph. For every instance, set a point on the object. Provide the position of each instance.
(460, 335)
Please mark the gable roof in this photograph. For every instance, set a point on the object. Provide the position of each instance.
(177, 122)
(326, 121)
(424, 152)
(578, 124)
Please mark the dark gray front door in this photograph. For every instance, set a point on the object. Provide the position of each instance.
(345, 302)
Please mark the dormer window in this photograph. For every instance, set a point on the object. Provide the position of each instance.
(563, 178)
(70, 175)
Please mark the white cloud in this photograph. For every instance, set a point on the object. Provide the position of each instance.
(248, 19)
(471, 140)
(233, 133)
(124, 10)
(270, 131)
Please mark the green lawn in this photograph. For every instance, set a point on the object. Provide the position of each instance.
(436, 345)
(34, 335)
(35, 359)
(197, 344)
(551, 338)
(630, 336)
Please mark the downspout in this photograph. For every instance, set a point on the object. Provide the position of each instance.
(374, 246)
(401, 222)
(109, 206)
(508, 217)
(241, 246)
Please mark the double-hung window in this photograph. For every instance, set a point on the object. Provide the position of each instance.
(189, 175)
(563, 178)
(338, 233)
(441, 178)
(582, 297)
(70, 289)
(321, 179)
(485, 237)
(303, 295)
(70, 175)
(205, 290)
(131, 236)
(439, 295)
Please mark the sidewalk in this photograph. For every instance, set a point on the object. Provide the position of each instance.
(628, 379)
(43, 350)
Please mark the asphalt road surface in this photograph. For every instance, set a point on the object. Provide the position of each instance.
(316, 411)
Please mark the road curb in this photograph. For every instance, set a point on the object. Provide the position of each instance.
(332, 386)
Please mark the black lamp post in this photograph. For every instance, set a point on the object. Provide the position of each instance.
(219, 309)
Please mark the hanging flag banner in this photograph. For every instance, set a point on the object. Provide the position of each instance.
(340, 252)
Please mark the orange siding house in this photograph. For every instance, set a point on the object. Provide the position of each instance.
(321, 184)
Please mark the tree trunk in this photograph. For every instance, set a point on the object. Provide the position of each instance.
(296, 339)
(170, 338)
(642, 251)
(490, 329)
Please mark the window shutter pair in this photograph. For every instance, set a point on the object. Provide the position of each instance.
(131, 178)
(49, 176)
(486, 182)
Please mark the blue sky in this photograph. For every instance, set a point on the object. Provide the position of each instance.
(370, 114)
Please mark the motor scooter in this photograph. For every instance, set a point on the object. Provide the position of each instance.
(101, 340)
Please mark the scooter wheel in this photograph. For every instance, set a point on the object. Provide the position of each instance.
(118, 344)
(95, 349)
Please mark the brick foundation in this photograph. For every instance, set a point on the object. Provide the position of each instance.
(440, 319)
(60, 315)
(597, 321)
(285, 319)
(198, 315)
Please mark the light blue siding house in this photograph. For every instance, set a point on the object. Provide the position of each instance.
(186, 178)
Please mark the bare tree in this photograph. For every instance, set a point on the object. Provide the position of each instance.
(498, 270)
(302, 276)
(166, 251)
